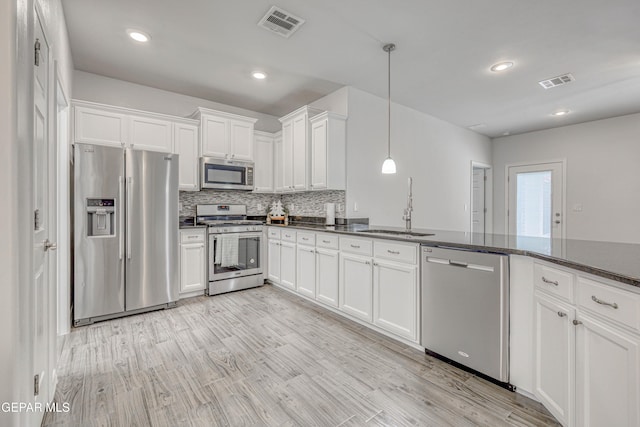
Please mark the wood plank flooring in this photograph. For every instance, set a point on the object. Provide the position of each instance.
(266, 357)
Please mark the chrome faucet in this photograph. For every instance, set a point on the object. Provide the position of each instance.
(407, 211)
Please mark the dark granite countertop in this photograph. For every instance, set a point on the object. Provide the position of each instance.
(616, 261)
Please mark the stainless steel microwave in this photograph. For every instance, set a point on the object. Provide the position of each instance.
(226, 174)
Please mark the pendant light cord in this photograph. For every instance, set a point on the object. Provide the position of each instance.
(389, 105)
(388, 48)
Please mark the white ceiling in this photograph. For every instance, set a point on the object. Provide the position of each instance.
(208, 49)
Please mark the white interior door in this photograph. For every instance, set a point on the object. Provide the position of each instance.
(41, 231)
(536, 202)
(478, 199)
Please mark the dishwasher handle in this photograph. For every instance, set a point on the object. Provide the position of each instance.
(458, 264)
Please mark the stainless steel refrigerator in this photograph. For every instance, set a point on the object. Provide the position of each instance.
(125, 232)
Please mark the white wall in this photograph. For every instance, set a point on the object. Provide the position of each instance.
(105, 90)
(435, 153)
(603, 175)
(9, 178)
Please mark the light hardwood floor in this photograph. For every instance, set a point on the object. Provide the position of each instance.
(266, 357)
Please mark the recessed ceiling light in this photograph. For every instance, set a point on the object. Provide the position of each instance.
(139, 36)
(501, 66)
(560, 113)
(259, 75)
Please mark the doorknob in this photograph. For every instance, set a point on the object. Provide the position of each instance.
(49, 246)
(557, 221)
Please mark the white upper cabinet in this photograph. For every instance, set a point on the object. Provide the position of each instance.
(328, 151)
(185, 140)
(296, 140)
(225, 135)
(214, 136)
(146, 133)
(263, 149)
(99, 124)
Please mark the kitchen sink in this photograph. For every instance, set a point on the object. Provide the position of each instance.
(397, 233)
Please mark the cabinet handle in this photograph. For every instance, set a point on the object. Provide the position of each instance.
(305, 238)
(551, 282)
(599, 301)
(192, 237)
(355, 246)
(326, 241)
(576, 322)
(376, 264)
(367, 262)
(561, 314)
(393, 252)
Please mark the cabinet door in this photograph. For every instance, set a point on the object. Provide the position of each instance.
(319, 155)
(327, 276)
(300, 152)
(356, 286)
(146, 133)
(287, 156)
(273, 266)
(395, 298)
(306, 271)
(94, 126)
(215, 137)
(264, 155)
(554, 357)
(241, 140)
(186, 145)
(288, 264)
(278, 164)
(607, 376)
(192, 267)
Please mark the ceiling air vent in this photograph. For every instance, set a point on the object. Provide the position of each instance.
(280, 22)
(556, 81)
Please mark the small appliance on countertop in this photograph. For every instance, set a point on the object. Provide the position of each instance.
(235, 248)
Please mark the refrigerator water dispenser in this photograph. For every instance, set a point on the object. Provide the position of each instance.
(101, 217)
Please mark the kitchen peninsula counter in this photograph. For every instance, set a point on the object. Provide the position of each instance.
(615, 261)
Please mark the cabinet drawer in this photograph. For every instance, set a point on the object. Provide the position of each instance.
(288, 236)
(192, 236)
(395, 251)
(329, 241)
(613, 303)
(273, 233)
(554, 281)
(356, 246)
(306, 238)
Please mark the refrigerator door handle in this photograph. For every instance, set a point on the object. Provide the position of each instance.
(120, 216)
(129, 185)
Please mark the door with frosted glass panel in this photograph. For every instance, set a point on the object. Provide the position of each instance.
(535, 205)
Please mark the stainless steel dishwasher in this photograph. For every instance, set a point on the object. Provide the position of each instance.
(465, 310)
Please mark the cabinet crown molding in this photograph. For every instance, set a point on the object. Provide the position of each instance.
(306, 109)
(132, 112)
(206, 111)
(327, 114)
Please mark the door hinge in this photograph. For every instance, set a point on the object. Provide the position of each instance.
(37, 52)
(36, 385)
(485, 178)
(485, 210)
(36, 219)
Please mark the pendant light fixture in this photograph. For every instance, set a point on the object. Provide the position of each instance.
(389, 166)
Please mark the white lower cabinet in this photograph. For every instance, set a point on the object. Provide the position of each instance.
(586, 363)
(288, 264)
(273, 255)
(193, 261)
(327, 276)
(554, 355)
(356, 293)
(395, 296)
(607, 377)
(306, 270)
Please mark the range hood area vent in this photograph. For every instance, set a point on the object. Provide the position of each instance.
(280, 22)
(556, 81)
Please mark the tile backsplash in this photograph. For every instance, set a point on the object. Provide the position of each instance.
(308, 203)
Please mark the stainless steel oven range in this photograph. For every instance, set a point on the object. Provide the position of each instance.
(235, 248)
